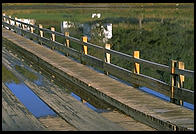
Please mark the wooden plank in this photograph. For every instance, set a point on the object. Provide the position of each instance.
(15, 117)
(56, 124)
(126, 122)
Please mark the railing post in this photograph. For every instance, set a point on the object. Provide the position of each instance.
(41, 32)
(181, 79)
(31, 29)
(4, 20)
(136, 54)
(67, 42)
(84, 48)
(136, 69)
(173, 81)
(107, 56)
(9, 21)
(53, 37)
(23, 26)
(4, 17)
(15, 24)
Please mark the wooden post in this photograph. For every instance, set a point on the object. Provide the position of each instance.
(67, 42)
(84, 48)
(41, 33)
(31, 29)
(181, 79)
(15, 24)
(136, 69)
(3, 18)
(9, 21)
(53, 37)
(107, 56)
(173, 80)
(136, 54)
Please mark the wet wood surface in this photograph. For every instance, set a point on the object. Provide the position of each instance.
(15, 116)
(72, 111)
(143, 106)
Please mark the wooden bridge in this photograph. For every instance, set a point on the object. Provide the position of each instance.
(150, 110)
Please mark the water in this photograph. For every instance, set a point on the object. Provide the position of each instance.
(36, 106)
(30, 100)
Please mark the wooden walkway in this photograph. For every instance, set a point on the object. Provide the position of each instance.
(140, 105)
(15, 116)
(59, 123)
(72, 111)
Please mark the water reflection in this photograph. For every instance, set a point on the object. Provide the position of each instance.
(26, 73)
(36, 106)
(29, 99)
(8, 77)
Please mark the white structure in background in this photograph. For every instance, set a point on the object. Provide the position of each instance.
(65, 25)
(98, 29)
(107, 32)
(98, 15)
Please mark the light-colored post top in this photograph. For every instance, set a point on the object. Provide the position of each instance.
(84, 39)
(52, 29)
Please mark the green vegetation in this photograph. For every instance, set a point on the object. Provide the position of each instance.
(166, 33)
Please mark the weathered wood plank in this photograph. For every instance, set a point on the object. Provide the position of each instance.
(15, 117)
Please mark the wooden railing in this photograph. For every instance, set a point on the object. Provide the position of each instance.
(175, 90)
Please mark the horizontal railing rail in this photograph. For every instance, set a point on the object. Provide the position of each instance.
(136, 79)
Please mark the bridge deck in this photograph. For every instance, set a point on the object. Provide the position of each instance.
(142, 106)
(15, 117)
(70, 110)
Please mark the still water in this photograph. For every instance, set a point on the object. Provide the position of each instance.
(30, 100)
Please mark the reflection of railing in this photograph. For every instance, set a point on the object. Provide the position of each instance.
(175, 90)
